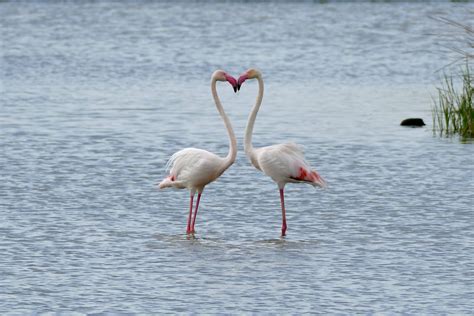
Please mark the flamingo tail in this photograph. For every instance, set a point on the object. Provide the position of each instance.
(311, 177)
(316, 180)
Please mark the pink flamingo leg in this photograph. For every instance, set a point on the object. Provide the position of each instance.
(195, 213)
(188, 229)
(283, 213)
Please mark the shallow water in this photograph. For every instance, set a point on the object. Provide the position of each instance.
(96, 97)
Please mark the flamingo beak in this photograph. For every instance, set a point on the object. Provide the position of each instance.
(241, 80)
(232, 82)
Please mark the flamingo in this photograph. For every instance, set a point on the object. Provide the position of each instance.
(193, 168)
(284, 163)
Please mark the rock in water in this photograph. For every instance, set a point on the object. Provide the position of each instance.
(413, 122)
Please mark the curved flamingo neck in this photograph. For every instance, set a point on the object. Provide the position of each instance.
(230, 158)
(249, 150)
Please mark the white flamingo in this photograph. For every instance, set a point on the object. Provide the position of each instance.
(193, 168)
(284, 163)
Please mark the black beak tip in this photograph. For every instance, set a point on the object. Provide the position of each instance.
(238, 87)
(235, 89)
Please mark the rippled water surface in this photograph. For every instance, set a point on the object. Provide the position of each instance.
(96, 96)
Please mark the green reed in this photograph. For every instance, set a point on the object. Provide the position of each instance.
(453, 111)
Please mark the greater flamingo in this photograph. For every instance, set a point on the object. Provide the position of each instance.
(193, 168)
(284, 163)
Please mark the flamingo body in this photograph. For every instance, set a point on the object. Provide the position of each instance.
(192, 169)
(285, 163)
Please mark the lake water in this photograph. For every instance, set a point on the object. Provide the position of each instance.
(96, 96)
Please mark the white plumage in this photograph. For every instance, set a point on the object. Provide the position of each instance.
(192, 168)
(283, 163)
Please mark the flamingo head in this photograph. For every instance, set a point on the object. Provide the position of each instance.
(221, 75)
(251, 73)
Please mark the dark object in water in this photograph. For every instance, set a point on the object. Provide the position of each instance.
(413, 122)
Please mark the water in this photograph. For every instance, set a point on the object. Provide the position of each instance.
(96, 96)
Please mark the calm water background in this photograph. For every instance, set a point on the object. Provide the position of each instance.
(96, 96)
